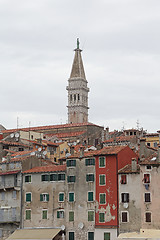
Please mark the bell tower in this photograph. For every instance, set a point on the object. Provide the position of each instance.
(77, 90)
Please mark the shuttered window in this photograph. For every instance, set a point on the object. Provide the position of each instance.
(28, 178)
(45, 178)
(71, 179)
(89, 161)
(90, 177)
(28, 214)
(148, 216)
(28, 197)
(61, 177)
(71, 197)
(61, 197)
(90, 235)
(90, 216)
(90, 196)
(125, 197)
(124, 217)
(71, 235)
(101, 217)
(44, 214)
(107, 236)
(102, 179)
(101, 162)
(71, 163)
(60, 214)
(54, 177)
(102, 198)
(44, 197)
(71, 216)
(147, 197)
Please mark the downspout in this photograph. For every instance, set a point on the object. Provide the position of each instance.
(117, 197)
(21, 203)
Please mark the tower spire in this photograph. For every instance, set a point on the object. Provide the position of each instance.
(77, 90)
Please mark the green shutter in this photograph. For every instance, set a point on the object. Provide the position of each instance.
(61, 197)
(90, 235)
(53, 177)
(41, 197)
(86, 162)
(74, 178)
(28, 197)
(74, 163)
(90, 196)
(102, 198)
(58, 215)
(71, 216)
(87, 177)
(106, 236)
(90, 216)
(71, 197)
(93, 161)
(71, 235)
(67, 163)
(45, 177)
(44, 214)
(101, 217)
(47, 197)
(28, 214)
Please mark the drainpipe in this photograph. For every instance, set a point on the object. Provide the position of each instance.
(21, 202)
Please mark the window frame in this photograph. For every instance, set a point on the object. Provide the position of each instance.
(26, 214)
(147, 193)
(71, 179)
(88, 175)
(145, 217)
(89, 161)
(93, 212)
(30, 178)
(44, 210)
(71, 217)
(122, 216)
(26, 197)
(100, 175)
(99, 159)
(70, 163)
(107, 233)
(59, 197)
(92, 196)
(45, 175)
(69, 197)
(59, 212)
(146, 178)
(73, 237)
(90, 237)
(44, 196)
(100, 194)
(127, 197)
(103, 217)
(124, 179)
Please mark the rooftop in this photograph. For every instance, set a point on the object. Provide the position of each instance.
(49, 168)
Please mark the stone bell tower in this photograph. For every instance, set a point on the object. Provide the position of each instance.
(77, 91)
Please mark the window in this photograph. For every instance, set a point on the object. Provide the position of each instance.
(71, 216)
(14, 194)
(28, 178)
(28, 197)
(101, 217)
(71, 97)
(90, 196)
(61, 197)
(45, 178)
(71, 163)
(61, 177)
(146, 178)
(124, 217)
(90, 235)
(44, 213)
(102, 162)
(74, 97)
(147, 197)
(28, 214)
(78, 97)
(90, 216)
(107, 236)
(102, 198)
(53, 177)
(60, 214)
(71, 179)
(89, 161)
(71, 197)
(155, 144)
(90, 177)
(44, 197)
(125, 197)
(71, 235)
(102, 179)
(123, 179)
(148, 216)
(148, 167)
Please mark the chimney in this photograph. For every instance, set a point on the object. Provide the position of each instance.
(107, 133)
(134, 164)
(142, 147)
(72, 150)
(81, 151)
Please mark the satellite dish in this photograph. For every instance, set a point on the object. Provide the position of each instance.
(63, 227)
(81, 225)
(39, 149)
(45, 152)
(68, 154)
(125, 205)
(33, 153)
(12, 135)
(17, 135)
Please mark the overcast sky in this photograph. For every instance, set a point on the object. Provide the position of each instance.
(121, 55)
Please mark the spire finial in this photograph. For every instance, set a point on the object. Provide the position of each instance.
(78, 43)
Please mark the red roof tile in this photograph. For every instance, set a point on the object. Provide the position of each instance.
(49, 168)
(9, 173)
(13, 143)
(65, 135)
(128, 169)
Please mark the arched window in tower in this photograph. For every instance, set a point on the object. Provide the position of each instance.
(78, 97)
(74, 97)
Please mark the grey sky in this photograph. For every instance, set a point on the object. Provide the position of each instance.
(121, 54)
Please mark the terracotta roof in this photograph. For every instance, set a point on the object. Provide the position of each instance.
(65, 135)
(151, 135)
(13, 143)
(151, 160)
(21, 153)
(128, 169)
(9, 173)
(49, 168)
(120, 139)
(51, 127)
(110, 150)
